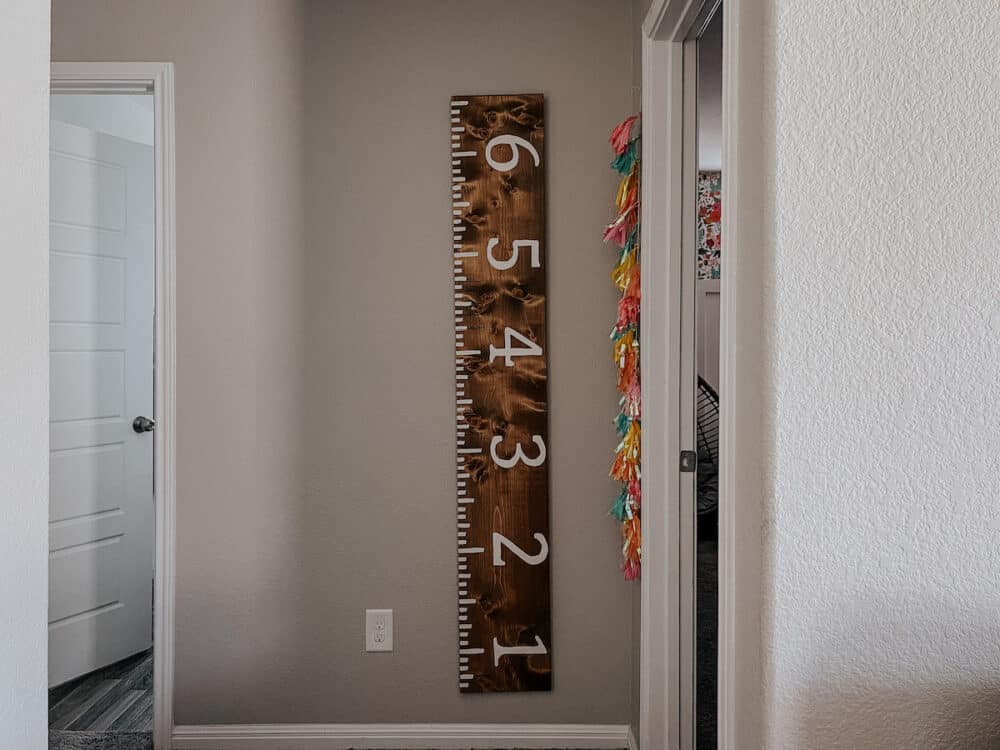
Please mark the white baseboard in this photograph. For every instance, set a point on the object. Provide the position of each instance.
(408, 736)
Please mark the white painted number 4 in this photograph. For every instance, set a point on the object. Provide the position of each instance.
(509, 351)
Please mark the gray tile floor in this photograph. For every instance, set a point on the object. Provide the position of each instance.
(111, 709)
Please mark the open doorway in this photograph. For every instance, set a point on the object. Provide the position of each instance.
(707, 316)
(110, 407)
(101, 416)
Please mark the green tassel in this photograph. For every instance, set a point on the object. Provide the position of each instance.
(619, 508)
(616, 334)
(626, 159)
(633, 237)
(622, 423)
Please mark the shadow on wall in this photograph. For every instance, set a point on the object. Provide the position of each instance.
(926, 715)
(930, 680)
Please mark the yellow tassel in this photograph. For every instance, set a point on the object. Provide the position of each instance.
(626, 191)
(631, 444)
(623, 271)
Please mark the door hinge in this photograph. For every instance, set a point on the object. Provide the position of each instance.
(689, 461)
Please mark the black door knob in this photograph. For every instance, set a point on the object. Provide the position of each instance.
(143, 424)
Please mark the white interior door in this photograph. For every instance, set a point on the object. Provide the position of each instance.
(708, 312)
(101, 379)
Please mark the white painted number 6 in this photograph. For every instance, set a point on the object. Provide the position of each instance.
(509, 463)
(503, 265)
(514, 142)
(500, 541)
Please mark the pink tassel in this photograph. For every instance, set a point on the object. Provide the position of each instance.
(632, 400)
(621, 136)
(635, 492)
(616, 233)
(619, 230)
(628, 312)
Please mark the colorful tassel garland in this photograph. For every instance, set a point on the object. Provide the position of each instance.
(624, 233)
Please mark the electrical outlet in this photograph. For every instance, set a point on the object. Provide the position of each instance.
(378, 630)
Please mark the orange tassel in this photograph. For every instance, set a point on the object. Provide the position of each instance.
(623, 469)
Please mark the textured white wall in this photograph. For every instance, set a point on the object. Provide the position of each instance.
(24, 372)
(881, 513)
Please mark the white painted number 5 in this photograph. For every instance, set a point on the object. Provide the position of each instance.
(503, 265)
(508, 463)
(514, 142)
(500, 541)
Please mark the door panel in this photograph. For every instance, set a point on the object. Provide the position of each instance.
(85, 481)
(101, 378)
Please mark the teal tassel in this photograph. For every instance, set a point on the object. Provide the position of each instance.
(627, 248)
(622, 422)
(626, 159)
(617, 334)
(633, 236)
(619, 508)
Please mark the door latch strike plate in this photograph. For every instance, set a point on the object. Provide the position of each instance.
(689, 461)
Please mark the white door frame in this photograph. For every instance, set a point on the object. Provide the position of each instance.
(666, 671)
(158, 78)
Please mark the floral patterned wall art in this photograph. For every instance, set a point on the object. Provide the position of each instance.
(709, 225)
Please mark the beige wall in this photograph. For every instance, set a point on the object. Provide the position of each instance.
(240, 274)
(315, 457)
(380, 476)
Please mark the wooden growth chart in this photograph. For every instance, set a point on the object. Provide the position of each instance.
(498, 219)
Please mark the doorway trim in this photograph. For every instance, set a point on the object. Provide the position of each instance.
(158, 78)
(666, 673)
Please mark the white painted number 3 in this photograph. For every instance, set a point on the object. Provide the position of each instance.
(509, 463)
(509, 351)
(514, 142)
(500, 541)
(503, 265)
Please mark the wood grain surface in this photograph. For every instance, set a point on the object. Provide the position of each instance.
(501, 605)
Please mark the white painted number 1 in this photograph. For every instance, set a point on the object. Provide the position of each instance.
(500, 541)
(509, 463)
(514, 142)
(498, 650)
(509, 351)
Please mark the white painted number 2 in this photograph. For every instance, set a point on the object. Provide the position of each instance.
(498, 650)
(500, 541)
(514, 142)
(509, 351)
(503, 265)
(509, 463)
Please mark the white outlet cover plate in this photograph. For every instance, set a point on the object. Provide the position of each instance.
(378, 630)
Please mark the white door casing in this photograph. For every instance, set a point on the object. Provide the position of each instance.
(101, 530)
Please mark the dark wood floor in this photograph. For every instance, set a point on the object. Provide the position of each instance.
(110, 709)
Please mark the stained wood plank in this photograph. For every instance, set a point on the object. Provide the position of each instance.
(495, 205)
(93, 702)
